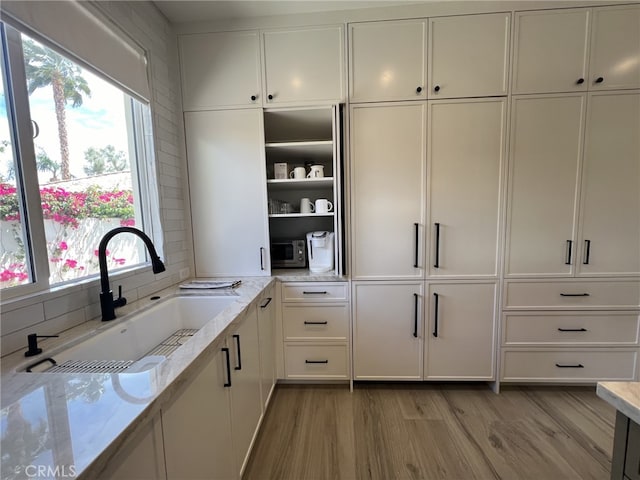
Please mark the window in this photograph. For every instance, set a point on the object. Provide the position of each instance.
(87, 168)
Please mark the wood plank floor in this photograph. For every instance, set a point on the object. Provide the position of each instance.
(433, 431)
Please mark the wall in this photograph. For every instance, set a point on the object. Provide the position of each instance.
(65, 307)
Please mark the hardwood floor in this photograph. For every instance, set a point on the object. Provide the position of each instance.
(433, 431)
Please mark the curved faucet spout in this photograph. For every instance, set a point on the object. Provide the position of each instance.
(107, 303)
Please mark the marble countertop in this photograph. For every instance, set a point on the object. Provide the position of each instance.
(624, 396)
(75, 423)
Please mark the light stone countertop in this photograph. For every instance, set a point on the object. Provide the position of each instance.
(624, 396)
(89, 416)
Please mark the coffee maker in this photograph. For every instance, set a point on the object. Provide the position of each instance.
(320, 250)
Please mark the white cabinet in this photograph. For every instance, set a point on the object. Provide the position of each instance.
(610, 223)
(615, 48)
(468, 55)
(388, 190)
(225, 157)
(220, 70)
(305, 138)
(197, 424)
(387, 60)
(266, 334)
(546, 147)
(387, 330)
(551, 51)
(246, 407)
(466, 163)
(554, 47)
(304, 65)
(460, 329)
(315, 330)
(140, 457)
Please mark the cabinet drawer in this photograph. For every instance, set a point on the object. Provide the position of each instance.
(326, 322)
(316, 361)
(571, 328)
(572, 294)
(314, 292)
(575, 365)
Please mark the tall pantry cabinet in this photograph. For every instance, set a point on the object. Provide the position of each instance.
(426, 200)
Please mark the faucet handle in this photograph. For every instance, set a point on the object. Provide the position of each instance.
(120, 301)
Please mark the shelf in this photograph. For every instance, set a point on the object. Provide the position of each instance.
(299, 152)
(300, 215)
(295, 184)
(301, 144)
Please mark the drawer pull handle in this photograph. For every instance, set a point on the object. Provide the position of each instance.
(575, 295)
(572, 330)
(316, 323)
(436, 301)
(266, 303)
(417, 241)
(316, 361)
(324, 292)
(239, 365)
(228, 363)
(436, 263)
(587, 252)
(579, 365)
(415, 315)
(569, 245)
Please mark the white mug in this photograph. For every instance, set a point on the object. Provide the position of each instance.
(317, 171)
(323, 206)
(298, 173)
(306, 206)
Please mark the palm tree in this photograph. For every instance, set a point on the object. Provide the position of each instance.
(45, 67)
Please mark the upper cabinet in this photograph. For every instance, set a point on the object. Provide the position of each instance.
(304, 66)
(220, 70)
(387, 60)
(615, 48)
(576, 50)
(469, 56)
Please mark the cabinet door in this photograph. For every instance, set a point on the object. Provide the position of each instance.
(469, 55)
(460, 331)
(546, 144)
(304, 65)
(388, 338)
(465, 157)
(197, 426)
(610, 234)
(225, 155)
(615, 48)
(387, 190)
(387, 60)
(266, 332)
(246, 407)
(551, 51)
(220, 70)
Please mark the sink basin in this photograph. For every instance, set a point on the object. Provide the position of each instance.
(143, 340)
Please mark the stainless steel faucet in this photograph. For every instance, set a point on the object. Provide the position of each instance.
(107, 303)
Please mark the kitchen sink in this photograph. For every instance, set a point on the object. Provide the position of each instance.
(140, 342)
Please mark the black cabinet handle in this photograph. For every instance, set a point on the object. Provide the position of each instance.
(569, 248)
(599, 79)
(436, 264)
(226, 353)
(580, 81)
(316, 361)
(587, 252)
(266, 303)
(323, 292)
(239, 356)
(419, 90)
(579, 365)
(261, 258)
(415, 315)
(315, 323)
(572, 329)
(436, 88)
(575, 295)
(436, 301)
(270, 97)
(253, 98)
(415, 263)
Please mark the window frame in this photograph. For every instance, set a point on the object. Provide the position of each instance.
(144, 175)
